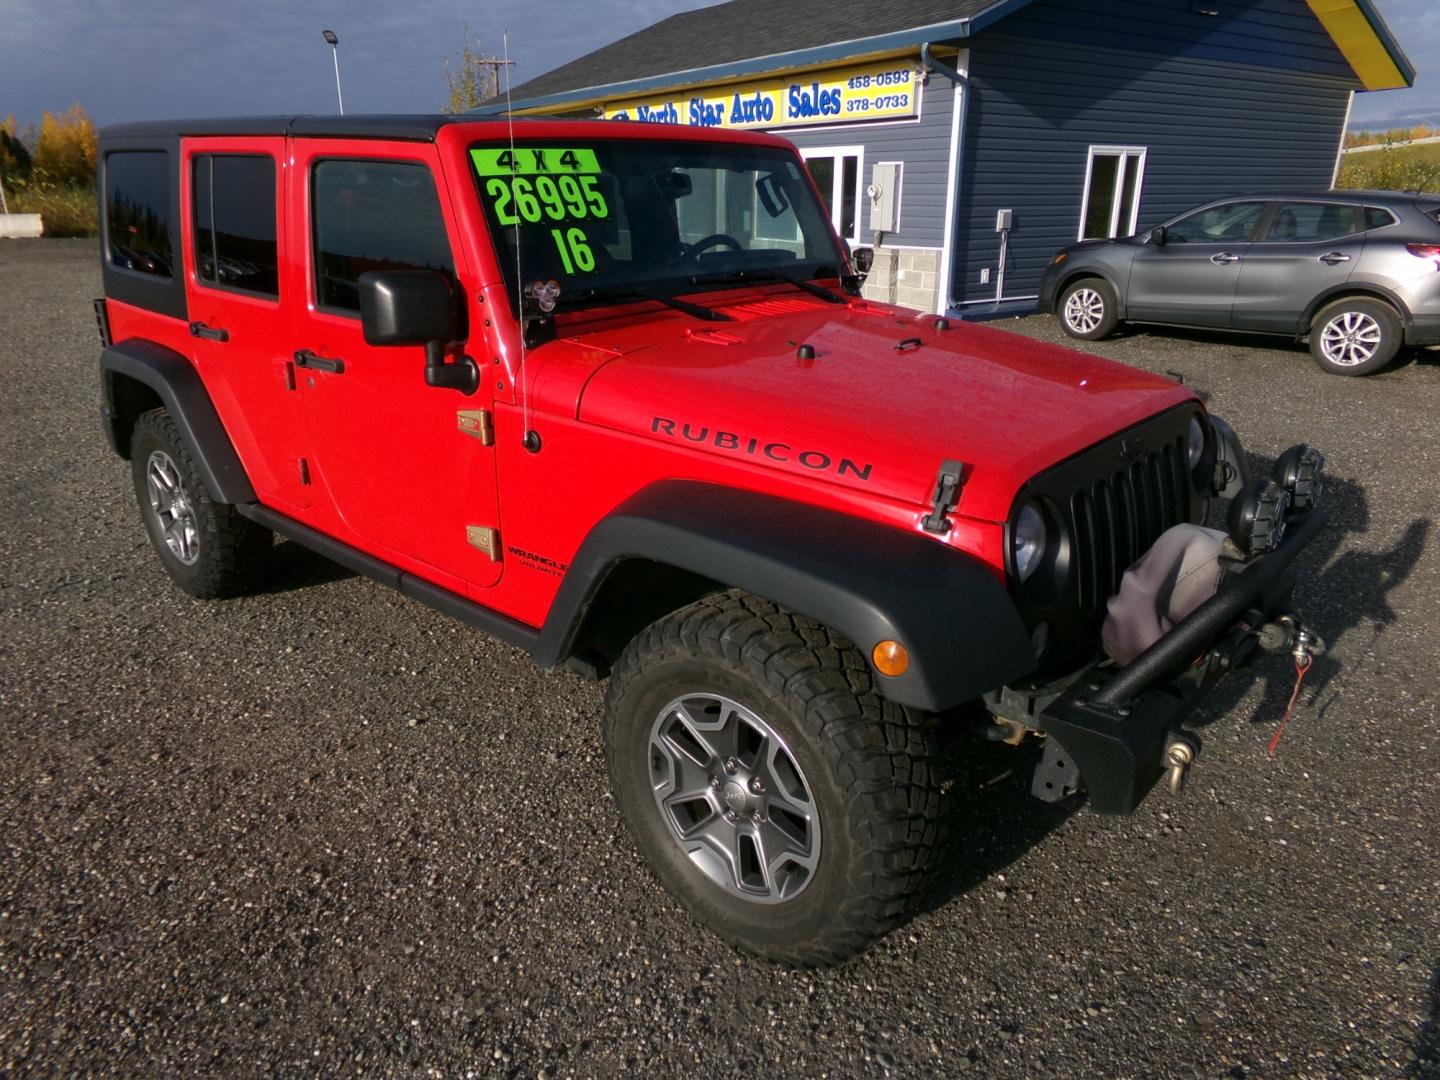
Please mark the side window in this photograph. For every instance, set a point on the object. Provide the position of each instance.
(1217, 225)
(1113, 177)
(234, 200)
(1377, 217)
(373, 215)
(137, 211)
(1302, 223)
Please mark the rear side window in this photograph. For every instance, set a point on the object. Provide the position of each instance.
(137, 211)
(373, 215)
(1302, 223)
(234, 202)
(1217, 225)
(1378, 218)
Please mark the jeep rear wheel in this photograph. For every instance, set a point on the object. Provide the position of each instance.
(206, 547)
(788, 806)
(1088, 309)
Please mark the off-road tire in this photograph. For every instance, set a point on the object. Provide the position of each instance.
(230, 552)
(1087, 309)
(1369, 319)
(868, 762)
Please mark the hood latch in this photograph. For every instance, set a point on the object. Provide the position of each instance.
(948, 483)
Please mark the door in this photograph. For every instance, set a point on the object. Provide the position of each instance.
(405, 467)
(837, 171)
(1192, 277)
(235, 244)
(1304, 249)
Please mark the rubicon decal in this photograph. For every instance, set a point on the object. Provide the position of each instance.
(777, 450)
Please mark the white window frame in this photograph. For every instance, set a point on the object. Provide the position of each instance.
(837, 185)
(1114, 151)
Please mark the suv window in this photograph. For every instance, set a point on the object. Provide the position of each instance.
(373, 215)
(1230, 221)
(137, 211)
(234, 203)
(1301, 223)
(1377, 217)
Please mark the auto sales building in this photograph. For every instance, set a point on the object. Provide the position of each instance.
(969, 140)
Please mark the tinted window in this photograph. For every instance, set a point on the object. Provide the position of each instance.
(1300, 223)
(235, 223)
(1377, 218)
(1217, 225)
(137, 211)
(373, 215)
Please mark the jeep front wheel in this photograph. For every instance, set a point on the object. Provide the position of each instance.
(206, 547)
(784, 802)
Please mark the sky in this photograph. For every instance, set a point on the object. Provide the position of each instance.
(143, 59)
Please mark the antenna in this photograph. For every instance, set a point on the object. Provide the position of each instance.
(532, 438)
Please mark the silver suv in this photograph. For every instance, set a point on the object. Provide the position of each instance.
(1357, 272)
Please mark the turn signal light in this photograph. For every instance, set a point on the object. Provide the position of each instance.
(891, 658)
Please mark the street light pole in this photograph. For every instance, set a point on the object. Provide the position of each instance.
(334, 43)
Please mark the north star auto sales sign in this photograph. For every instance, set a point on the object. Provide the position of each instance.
(883, 91)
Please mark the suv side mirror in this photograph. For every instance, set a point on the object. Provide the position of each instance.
(1159, 235)
(416, 307)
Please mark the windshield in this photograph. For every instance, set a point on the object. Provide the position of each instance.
(608, 217)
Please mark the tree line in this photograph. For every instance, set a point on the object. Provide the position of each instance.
(49, 170)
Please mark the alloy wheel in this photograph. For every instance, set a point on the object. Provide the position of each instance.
(172, 507)
(1350, 338)
(734, 798)
(1084, 309)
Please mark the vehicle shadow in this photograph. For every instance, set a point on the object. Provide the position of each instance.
(991, 819)
(1426, 1063)
(1335, 594)
(293, 566)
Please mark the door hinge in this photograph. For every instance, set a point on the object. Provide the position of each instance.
(484, 538)
(477, 423)
(304, 473)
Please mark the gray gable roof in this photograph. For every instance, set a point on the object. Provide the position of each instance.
(742, 30)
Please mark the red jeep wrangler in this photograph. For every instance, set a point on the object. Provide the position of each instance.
(609, 392)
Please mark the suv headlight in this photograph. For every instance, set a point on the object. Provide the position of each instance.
(1029, 540)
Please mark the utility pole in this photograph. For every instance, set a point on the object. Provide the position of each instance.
(494, 64)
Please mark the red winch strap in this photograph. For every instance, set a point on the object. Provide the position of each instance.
(1302, 666)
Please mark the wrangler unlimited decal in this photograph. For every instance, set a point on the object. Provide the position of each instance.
(775, 450)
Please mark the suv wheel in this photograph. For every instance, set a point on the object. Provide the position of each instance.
(1088, 309)
(1355, 337)
(788, 806)
(206, 547)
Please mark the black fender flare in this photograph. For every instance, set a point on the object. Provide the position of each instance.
(177, 384)
(870, 582)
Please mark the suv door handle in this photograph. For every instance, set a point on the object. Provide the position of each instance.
(1224, 259)
(1333, 258)
(307, 359)
(211, 333)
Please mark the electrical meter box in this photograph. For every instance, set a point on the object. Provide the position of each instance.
(884, 192)
(1003, 219)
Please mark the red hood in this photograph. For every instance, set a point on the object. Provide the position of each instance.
(861, 413)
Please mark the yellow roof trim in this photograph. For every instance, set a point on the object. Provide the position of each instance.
(1361, 46)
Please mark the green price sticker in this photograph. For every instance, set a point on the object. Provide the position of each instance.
(532, 161)
(544, 198)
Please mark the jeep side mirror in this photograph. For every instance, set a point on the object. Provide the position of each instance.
(416, 307)
(1159, 235)
(864, 259)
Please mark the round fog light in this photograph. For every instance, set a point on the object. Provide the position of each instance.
(891, 658)
(1299, 471)
(1256, 519)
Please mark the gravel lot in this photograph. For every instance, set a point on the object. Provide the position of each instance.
(323, 828)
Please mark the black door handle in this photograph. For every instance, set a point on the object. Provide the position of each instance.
(307, 359)
(212, 333)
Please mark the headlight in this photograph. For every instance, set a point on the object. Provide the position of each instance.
(1029, 540)
(1195, 441)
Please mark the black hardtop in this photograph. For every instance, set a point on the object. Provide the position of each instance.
(417, 127)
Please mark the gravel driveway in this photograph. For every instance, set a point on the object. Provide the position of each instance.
(324, 829)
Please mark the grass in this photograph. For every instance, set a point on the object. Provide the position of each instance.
(64, 210)
(1395, 168)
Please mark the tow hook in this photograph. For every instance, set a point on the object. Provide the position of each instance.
(1179, 755)
(1286, 634)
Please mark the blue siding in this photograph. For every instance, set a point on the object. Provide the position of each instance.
(1252, 99)
(924, 147)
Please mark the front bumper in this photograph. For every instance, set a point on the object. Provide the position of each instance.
(1111, 730)
(1049, 284)
(1423, 330)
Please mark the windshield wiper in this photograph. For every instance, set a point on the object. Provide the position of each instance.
(736, 277)
(635, 292)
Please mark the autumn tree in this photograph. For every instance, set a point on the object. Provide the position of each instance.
(66, 147)
(471, 76)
